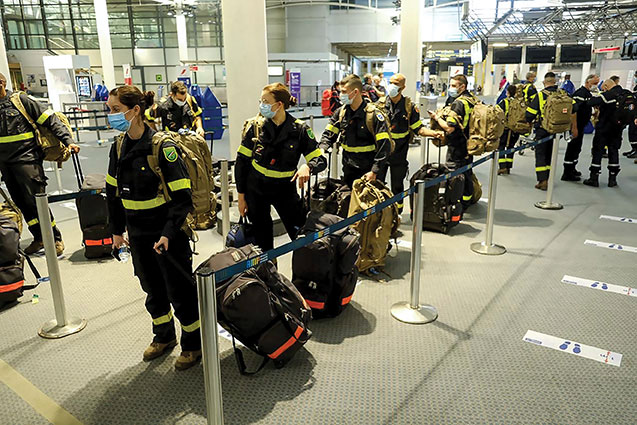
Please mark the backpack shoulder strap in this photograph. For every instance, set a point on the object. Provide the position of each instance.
(408, 107)
(15, 99)
(370, 110)
(189, 100)
(153, 159)
(119, 142)
(341, 115)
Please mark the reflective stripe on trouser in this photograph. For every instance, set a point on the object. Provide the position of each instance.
(543, 153)
(166, 288)
(507, 142)
(24, 181)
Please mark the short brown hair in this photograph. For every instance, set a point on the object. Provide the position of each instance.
(353, 81)
(178, 87)
(281, 94)
(461, 78)
(132, 96)
(615, 78)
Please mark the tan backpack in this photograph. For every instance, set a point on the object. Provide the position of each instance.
(370, 110)
(556, 111)
(54, 149)
(10, 210)
(198, 161)
(376, 229)
(444, 113)
(486, 125)
(516, 115)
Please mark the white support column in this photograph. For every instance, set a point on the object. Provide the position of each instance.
(524, 68)
(410, 47)
(4, 61)
(182, 36)
(586, 70)
(488, 88)
(246, 56)
(104, 36)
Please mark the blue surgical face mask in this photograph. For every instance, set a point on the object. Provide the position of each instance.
(453, 92)
(118, 121)
(345, 100)
(266, 110)
(393, 90)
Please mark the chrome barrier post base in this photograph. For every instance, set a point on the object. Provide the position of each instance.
(413, 312)
(51, 329)
(404, 312)
(549, 205)
(483, 248)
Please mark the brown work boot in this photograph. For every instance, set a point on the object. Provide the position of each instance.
(543, 185)
(156, 349)
(503, 171)
(187, 359)
(35, 247)
(59, 248)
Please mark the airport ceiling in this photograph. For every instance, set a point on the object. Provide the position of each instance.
(377, 51)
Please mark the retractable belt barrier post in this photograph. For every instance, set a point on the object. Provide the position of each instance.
(334, 161)
(488, 247)
(210, 345)
(225, 198)
(548, 204)
(312, 122)
(62, 325)
(413, 312)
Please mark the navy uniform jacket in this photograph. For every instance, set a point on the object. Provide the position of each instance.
(458, 138)
(581, 97)
(132, 189)
(400, 127)
(175, 117)
(275, 156)
(607, 102)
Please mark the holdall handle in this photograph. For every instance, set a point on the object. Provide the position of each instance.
(241, 364)
(34, 270)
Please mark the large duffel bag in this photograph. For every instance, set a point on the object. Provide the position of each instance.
(443, 202)
(12, 262)
(261, 308)
(325, 271)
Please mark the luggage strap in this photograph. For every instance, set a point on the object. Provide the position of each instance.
(241, 364)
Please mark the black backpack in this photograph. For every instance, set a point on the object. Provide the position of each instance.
(626, 111)
(260, 308)
(325, 271)
(12, 262)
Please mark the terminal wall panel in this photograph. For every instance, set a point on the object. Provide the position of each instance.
(363, 26)
(145, 57)
(121, 57)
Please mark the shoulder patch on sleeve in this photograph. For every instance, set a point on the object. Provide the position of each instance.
(310, 133)
(170, 153)
(379, 116)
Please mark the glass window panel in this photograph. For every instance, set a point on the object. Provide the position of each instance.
(59, 27)
(34, 27)
(37, 42)
(88, 26)
(148, 40)
(61, 41)
(88, 41)
(32, 12)
(15, 27)
(207, 39)
(170, 25)
(57, 12)
(120, 40)
(171, 39)
(17, 42)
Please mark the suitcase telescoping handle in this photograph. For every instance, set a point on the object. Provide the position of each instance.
(79, 175)
(176, 265)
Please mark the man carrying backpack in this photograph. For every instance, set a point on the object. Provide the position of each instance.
(608, 132)
(632, 130)
(509, 138)
(364, 133)
(405, 122)
(180, 110)
(462, 103)
(529, 86)
(536, 111)
(581, 97)
(21, 157)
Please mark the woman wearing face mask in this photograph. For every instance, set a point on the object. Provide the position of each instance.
(138, 204)
(266, 167)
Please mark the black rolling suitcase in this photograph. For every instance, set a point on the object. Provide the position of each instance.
(443, 202)
(325, 271)
(92, 211)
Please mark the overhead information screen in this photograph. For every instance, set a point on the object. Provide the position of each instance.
(540, 54)
(507, 55)
(576, 53)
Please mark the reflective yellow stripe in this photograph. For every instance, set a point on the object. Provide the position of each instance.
(359, 149)
(299, 121)
(272, 173)
(45, 115)
(467, 112)
(314, 154)
(331, 128)
(53, 223)
(192, 327)
(143, 205)
(179, 184)
(506, 107)
(381, 136)
(399, 204)
(466, 197)
(452, 120)
(505, 160)
(33, 222)
(111, 180)
(163, 319)
(198, 112)
(546, 168)
(542, 102)
(16, 138)
(531, 110)
(245, 151)
(148, 116)
(400, 135)
(416, 125)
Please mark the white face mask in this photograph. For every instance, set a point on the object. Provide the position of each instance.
(393, 90)
(180, 102)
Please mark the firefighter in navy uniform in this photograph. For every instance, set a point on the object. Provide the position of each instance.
(584, 112)
(21, 158)
(154, 224)
(632, 130)
(404, 118)
(529, 87)
(462, 102)
(607, 134)
(266, 167)
(365, 150)
(178, 111)
(509, 138)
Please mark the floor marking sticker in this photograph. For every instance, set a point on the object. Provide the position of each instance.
(225, 334)
(609, 245)
(602, 286)
(572, 347)
(620, 219)
(42, 403)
